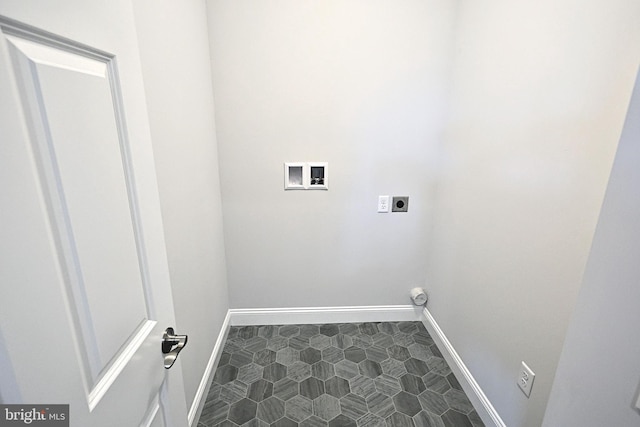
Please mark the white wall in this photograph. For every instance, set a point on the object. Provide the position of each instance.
(598, 378)
(361, 84)
(174, 50)
(539, 97)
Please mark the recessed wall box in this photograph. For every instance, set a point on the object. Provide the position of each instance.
(306, 176)
(318, 176)
(400, 204)
(294, 176)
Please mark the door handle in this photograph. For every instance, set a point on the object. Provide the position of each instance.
(172, 344)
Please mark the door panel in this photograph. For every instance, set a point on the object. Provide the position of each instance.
(73, 108)
(84, 280)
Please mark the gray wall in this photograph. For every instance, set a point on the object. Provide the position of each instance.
(360, 84)
(539, 99)
(174, 52)
(598, 377)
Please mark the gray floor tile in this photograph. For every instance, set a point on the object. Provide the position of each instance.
(369, 328)
(299, 371)
(439, 366)
(436, 382)
(309, 331)
(250, 373)
(286, 388)
(393, 367)
(260, 390)
(271, 409)
(407, 403)
(285, 422)
(341, 341)
(298, 409)
(382, 340)
(380, 404)
(416, 366)
(427, 419)
(454, 382)
(398, 419)
(289, 331)
(264, 357)
(475, 419)
(299, 342)
(353, 406)
(453, 418)
(277, 343)
(347, 369)
(387, 374)
(320, 342)
(326, 407)
(329, 330)
(349, 329)
(362, 386)
(274, 372)
(337, 387)
(371, 420)
(377, 354)
(256, 422)
(241, 358)
(332, 354)
(370, 368)
(225, 374)
(459, 401)
(433, 402)
(267, 331)
(310, 355)
(287, 356)
(243, 411)
(388, 385)
(312, 388)
(323, 370)
(342, 421)
(355, 354)
(255, 344)
(412, 384)
(314, 421)
(233, 391)
(398, 352)
(362, 340)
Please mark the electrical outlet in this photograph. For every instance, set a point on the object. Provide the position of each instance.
(525, 379)
(400, 204)
(383, 204)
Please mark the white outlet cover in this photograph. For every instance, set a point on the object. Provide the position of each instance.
(525, 379)
(383, 204)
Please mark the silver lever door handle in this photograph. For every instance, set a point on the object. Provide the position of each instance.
(172, 344)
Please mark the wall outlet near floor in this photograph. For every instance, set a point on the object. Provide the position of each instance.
(525, 379)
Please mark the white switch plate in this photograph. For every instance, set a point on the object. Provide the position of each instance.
(383, 204)
(525, 379)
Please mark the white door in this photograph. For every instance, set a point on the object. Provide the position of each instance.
(84, 284)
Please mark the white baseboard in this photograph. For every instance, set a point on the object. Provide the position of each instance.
(203, 389)
(477, 397)
(315, 315)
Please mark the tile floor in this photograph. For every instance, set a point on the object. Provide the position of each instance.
(336, 375)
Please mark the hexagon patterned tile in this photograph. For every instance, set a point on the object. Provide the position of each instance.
(371, 374)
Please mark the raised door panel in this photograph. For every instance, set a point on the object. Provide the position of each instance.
(85, 291)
